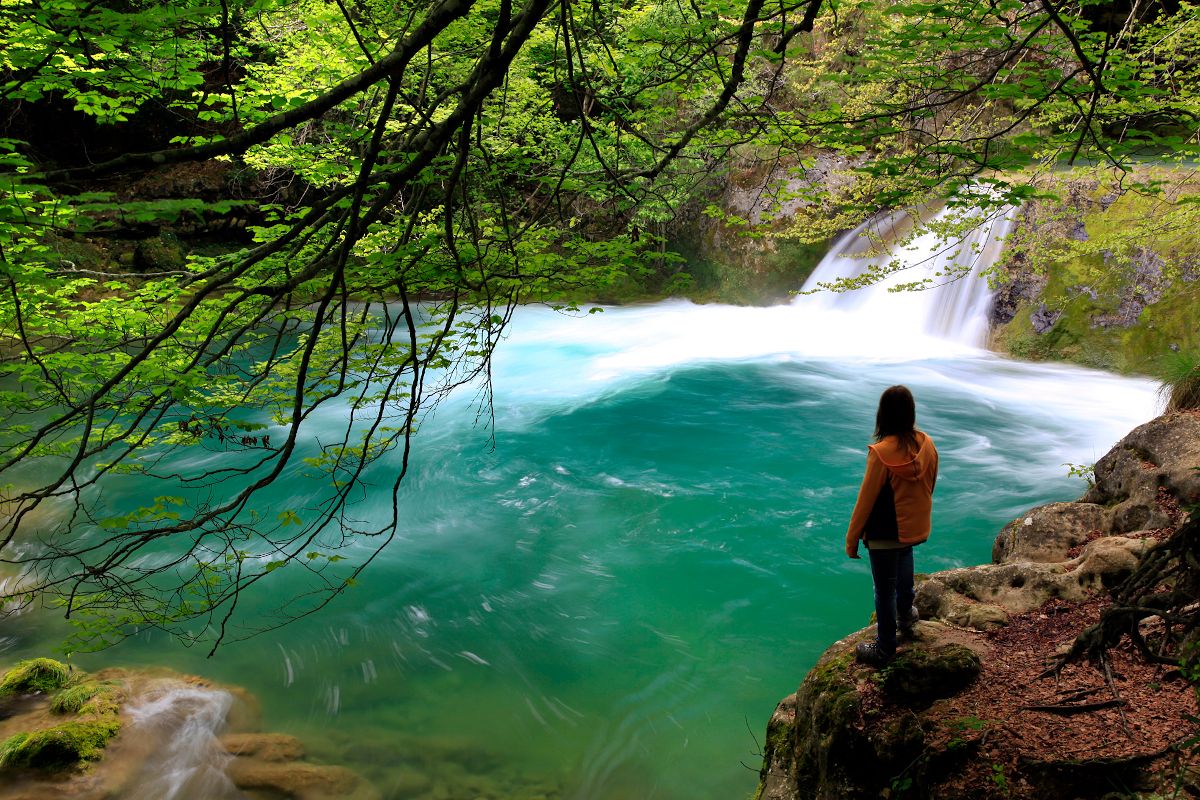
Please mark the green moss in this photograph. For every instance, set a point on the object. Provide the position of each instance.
(921, 674)
(59, 747)
(43, 675)
(89, 697)
(779, 738)
(163, 252)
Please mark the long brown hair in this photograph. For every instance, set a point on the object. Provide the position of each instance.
(897, 416)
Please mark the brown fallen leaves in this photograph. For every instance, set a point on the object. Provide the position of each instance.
(1087, 732)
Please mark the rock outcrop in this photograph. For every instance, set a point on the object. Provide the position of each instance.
(54, 721)
(928, 725)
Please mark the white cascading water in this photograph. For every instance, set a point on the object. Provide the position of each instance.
(932, 336)
(185, 760)
(955, 306)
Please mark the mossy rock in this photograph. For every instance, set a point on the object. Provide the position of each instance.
(88, 697)
(163, 252)
(925, 674)
(59, 747)
(44, 675)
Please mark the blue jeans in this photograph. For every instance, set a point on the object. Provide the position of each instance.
(892, 572)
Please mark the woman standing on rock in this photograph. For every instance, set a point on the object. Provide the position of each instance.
(893, 514)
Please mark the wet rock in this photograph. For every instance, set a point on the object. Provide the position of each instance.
(1022, 286)
(1043, 319)
(263, 746)
(79, 721)
(35, 676)
(299, 781)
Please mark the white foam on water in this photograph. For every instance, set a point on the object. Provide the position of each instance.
(933, 336)
(188, 761)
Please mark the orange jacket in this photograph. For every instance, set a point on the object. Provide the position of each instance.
(896, 496)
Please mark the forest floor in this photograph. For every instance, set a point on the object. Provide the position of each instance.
(1092, 730)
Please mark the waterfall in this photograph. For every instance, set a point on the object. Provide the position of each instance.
(178, 723)
(955, 305)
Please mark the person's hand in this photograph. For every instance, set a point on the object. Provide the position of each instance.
(852, 548)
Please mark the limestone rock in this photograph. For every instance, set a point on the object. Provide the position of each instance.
(263, 746)
(1048, 533)
(840, 750)
(1161, 453)
(935, 600)
(1044, 319)
(299, 781)
(1023, 586)
(820, 745)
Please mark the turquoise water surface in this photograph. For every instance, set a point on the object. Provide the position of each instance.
(609, 600)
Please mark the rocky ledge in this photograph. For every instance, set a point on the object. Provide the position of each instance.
(968, 709)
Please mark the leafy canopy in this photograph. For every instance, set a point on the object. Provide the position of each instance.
(409, 172)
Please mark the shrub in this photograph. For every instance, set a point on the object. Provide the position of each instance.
(1181, 382)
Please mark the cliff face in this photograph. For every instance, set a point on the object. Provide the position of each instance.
(1103, 276)
(763, 233)
(967, 709)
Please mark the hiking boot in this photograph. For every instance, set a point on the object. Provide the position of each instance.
(907, 622)
(872, 654)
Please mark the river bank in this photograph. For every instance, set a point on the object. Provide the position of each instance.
(972, 707)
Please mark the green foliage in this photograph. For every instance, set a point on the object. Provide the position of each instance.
(1085, 471)
(1181, 381)
(1000, 779)
(60, 747)
(36, 675)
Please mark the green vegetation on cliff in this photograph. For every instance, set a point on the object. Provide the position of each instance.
(1112, 277)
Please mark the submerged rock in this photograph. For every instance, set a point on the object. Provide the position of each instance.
(295, 780)
(36, 737)
(151, 733)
